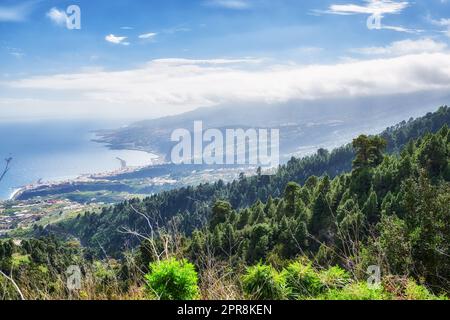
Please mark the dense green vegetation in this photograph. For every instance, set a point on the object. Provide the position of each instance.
(173, 280)
(189, 207)
(309, 232)
(390, 211)
(301, 281)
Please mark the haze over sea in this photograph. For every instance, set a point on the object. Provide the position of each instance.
(57, 150)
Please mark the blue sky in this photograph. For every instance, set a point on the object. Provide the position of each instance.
(124, 41)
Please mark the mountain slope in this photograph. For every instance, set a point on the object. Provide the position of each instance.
(192, 205)
(304, 126)
(389, 211)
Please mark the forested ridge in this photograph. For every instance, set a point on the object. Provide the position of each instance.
(390, 211)
(309, 232)
(190, 207)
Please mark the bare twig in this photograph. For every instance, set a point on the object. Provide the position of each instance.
(14, 284)
(6, 169)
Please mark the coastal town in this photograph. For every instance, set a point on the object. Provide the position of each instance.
(84, 178)
(47, 202)
(17, 216)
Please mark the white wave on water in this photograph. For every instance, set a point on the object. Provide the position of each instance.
(14, 193)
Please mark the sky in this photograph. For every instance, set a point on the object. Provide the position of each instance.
(139, 59)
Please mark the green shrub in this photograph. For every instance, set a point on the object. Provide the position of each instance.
(262, 282)
(173, 280)
(103, 272)
(335, 278)
(356, 291)
(414, 291)
(302, 281)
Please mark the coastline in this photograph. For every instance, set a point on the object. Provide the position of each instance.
(83, 178)
(60, 150)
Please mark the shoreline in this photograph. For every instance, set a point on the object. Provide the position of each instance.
(83, 178)
(56, 162)
(55, 183)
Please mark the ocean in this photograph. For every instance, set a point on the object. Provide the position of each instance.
(57, 150)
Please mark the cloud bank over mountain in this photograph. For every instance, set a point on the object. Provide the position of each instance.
(170, 86)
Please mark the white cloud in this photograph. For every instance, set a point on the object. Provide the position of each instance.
(229, 4)
(15, 52)
(117, 39)
(398, 48)
(378, 7)
(401, 29)
(445, 23)
(169, 86)
(210, 62)
(16, 13)
(147, 35)
(176, 30)
(59, 17)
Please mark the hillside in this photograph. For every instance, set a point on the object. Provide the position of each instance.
(224, 158)
(191, 206)
(315, 241)
(390, 211)
(304, 127)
